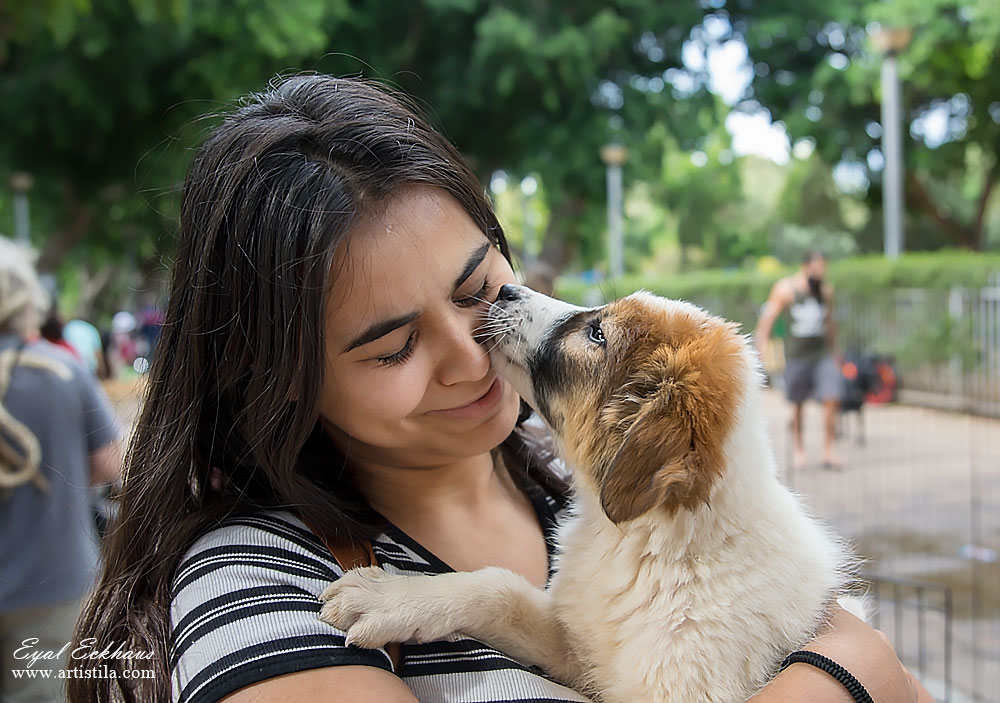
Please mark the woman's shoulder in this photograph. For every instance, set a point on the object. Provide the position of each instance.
(244, 607)
(278, 545)
(272, 541)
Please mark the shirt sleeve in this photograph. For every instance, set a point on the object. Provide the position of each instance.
(244, 609)
(100, 425)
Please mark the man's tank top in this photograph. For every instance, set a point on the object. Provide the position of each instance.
(806, 338)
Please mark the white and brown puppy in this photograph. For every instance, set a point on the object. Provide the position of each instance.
(686, 571)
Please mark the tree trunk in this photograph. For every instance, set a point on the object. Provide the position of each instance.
(984, 198)
(76, 224)
(919, 197)
(560, 243)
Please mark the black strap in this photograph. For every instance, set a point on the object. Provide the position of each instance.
(831, 667)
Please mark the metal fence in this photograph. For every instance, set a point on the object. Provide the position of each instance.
(920, 501)
(917, 617)
(946, 348)
(945, 343)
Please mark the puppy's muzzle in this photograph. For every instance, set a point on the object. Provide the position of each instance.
(524, 320)
(519, 326)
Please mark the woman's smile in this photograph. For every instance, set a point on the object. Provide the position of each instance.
(480, 406)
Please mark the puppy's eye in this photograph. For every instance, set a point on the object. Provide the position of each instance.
(596, 334)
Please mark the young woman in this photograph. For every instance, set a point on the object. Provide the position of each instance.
(319, 378)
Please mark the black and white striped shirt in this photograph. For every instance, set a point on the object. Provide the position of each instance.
(245, 604)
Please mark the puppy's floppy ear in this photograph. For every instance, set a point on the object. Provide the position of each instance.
(672, 453)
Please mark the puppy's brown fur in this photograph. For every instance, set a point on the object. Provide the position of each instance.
(652, 416)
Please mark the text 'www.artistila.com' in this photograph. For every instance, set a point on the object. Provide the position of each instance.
(96, 672)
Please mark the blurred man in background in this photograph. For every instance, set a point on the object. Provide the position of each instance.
(811, 367)
(58, 438)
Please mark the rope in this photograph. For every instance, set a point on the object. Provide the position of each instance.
(18, 466)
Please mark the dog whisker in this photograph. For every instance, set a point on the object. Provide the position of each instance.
(497, 344)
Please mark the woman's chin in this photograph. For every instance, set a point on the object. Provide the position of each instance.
(498, 426)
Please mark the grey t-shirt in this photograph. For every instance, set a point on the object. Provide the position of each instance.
(48, 548)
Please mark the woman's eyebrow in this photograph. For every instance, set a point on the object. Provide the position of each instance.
(380, 329)
(384, 327)
(472, 262)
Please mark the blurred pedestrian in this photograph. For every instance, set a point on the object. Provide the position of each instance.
(86, 340)
(123, 325)
(812, 368)
(539, 276)
(58, 439)
(150, 322)
(52, 331)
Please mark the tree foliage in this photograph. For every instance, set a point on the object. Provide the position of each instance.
(817, 70)
(102, 103)
(103, 96)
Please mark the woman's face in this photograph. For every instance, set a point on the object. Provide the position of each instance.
(406, 383)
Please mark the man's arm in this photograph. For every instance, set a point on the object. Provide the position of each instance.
(105, 464)
(777, 301)
(102, 432)
(831, 322)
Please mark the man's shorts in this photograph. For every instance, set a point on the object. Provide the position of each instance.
(813, 378)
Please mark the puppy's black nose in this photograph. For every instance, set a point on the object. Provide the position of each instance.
(508, 292)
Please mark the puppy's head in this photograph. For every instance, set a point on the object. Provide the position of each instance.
(641, 393)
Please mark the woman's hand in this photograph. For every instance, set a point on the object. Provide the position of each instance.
(865, 652)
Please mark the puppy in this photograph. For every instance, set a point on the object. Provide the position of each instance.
(686, 571)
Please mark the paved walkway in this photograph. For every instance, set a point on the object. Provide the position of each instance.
(920, 499)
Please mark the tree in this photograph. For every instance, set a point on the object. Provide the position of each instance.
(102, 97)
(816, 70)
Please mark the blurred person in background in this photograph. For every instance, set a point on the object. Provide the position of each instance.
(539, 276)
(59, 438)
(123, 343)
(86, 340)
(51, 330)
(150, 322)
(812, 369)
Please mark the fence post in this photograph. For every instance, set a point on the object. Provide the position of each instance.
(956, 311)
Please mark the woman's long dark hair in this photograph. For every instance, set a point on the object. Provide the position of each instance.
(230, 419)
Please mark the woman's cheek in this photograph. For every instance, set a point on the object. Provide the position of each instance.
(392, 394)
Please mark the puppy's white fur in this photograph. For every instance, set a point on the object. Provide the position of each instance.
(695, 604)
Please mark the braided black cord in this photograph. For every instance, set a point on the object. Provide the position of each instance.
(831, 667)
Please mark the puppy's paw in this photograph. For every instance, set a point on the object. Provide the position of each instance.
(374, 608)
(357, 592)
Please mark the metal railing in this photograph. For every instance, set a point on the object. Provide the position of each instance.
(917, 617)
(944, 343)
(920, 502)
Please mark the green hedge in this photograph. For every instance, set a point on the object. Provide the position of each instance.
(738, 294)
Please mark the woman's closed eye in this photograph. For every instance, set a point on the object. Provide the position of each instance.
(400, 356)
(481, 297)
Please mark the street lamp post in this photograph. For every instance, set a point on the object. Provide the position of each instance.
(890, 42)
(614, 155)
(20, 183)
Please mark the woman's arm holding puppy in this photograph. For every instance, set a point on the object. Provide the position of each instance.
(863, 651)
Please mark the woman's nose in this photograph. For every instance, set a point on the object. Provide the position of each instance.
(465, 359)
